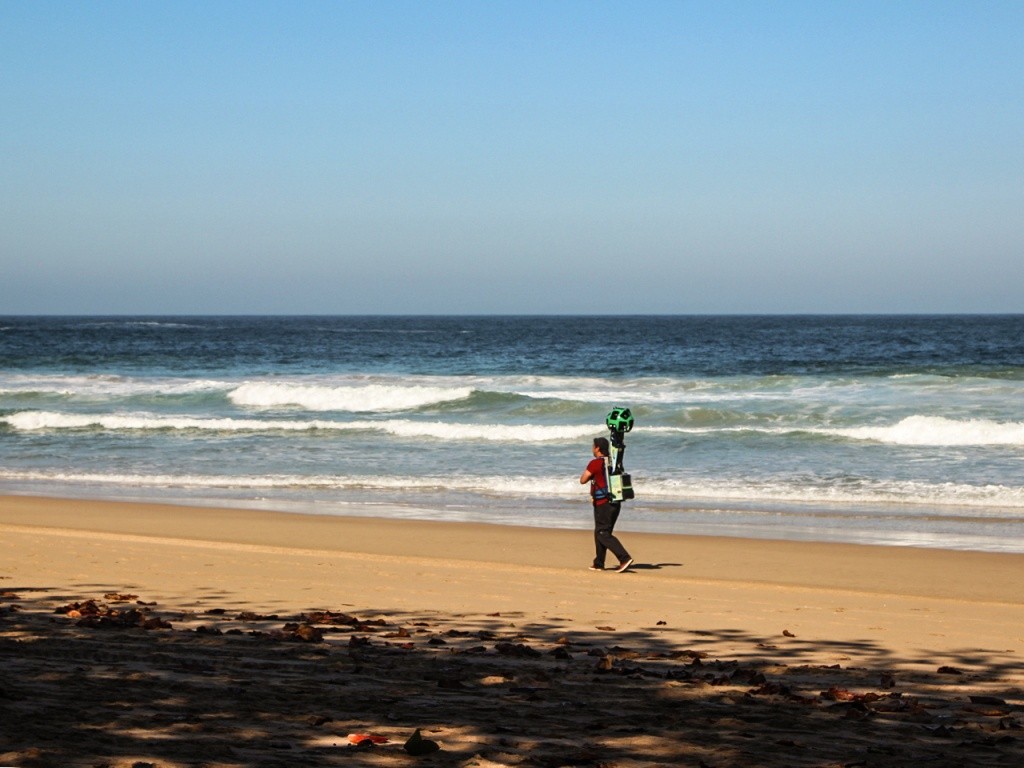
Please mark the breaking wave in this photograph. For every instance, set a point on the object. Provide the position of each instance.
(406, 428)
(940, 431)
(370, 398)
(912, 431)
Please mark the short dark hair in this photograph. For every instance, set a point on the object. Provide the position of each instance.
(601, 443)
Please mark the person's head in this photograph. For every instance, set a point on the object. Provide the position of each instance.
(601, 445)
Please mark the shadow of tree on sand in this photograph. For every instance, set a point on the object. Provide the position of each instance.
(105, 679)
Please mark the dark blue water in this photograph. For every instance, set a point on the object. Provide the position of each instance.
(563, 346)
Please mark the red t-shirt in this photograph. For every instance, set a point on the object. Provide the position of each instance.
(598, 480)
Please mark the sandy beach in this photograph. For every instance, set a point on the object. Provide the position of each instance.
(144, 634)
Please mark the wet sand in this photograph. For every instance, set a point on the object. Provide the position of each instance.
(179, 636)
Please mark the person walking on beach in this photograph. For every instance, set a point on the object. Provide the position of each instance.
(606, 511)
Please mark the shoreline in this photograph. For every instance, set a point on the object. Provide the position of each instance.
(865, 569)
(759, 522)
(475, 633)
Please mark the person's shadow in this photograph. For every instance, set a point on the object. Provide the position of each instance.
(653, 566)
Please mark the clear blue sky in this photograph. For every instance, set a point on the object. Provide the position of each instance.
(511, 157)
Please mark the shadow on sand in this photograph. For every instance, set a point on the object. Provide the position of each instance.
(102, 678)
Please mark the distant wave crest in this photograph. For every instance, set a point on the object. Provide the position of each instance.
(369, 398)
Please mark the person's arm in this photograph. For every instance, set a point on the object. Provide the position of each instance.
(588, 474)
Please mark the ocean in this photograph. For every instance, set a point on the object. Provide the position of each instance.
(893, 430)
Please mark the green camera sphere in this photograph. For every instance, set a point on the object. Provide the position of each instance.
(619, 420)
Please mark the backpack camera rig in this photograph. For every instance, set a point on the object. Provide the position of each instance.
(620, 484)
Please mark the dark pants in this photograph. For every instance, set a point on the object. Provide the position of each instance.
(605, 517)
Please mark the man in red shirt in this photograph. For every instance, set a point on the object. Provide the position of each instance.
(606, 511)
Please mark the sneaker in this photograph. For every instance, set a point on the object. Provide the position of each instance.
(596, 567)
(624, 565)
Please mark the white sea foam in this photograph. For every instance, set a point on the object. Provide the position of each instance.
(369, 398)
(912, 497)
(525, 433)
(405, 428)
(499, 486)
(39, 420)
(389, 393)
(939, 431)
(106, 386)
(913, 430)
(656, 391)
(912, 493)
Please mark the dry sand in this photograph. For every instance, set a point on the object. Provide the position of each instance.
(143, 634)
